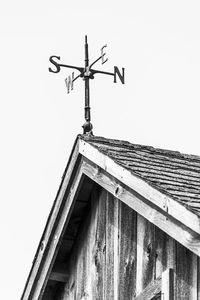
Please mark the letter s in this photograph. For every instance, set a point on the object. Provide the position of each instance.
(55, 64)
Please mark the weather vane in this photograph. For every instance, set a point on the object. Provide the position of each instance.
(86, 73)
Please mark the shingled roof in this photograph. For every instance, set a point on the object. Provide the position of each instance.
(171, 172)
(162, 186)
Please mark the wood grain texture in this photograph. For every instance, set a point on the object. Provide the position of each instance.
(113, 238)
(155, 253)
(198, 278)
(82, 271)
(170, 172)
(103, 260)
(169, 225)
(33, 283)
(91, 274)
(117, 232)
(161, 251)
(186, 274)
(109, 263)
(145, 254)
(152, 291)
(167, 285)
(50, 252)
(127, 251)
(156, 196)
(162, 186)
(100, 247)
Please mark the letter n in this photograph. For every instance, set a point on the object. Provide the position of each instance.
(69, 82)
(117, 73)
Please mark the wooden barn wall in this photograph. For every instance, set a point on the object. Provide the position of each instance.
(118, 253)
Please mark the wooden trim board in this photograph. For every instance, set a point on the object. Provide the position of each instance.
(151, 291)
(161, 288)
(46, 236)
(51, 238)
(171, 226)
(163, 211)
(167, 285)
(162, 201)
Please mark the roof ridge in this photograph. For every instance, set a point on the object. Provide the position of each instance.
(127, 144)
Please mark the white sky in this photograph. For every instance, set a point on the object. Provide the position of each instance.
(158, 43)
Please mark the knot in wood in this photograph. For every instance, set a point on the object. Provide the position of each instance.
(118, 190)
(42, 246)
(149, 250)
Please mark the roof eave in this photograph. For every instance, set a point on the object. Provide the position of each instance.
(164, 202)
(123, 185)
(52, 221)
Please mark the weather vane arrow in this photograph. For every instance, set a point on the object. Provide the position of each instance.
(86, 73)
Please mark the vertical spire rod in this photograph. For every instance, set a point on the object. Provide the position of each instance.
(87, 88)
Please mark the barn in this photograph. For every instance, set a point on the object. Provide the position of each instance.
(125, 224)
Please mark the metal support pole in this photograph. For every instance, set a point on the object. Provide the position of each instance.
(87, 127)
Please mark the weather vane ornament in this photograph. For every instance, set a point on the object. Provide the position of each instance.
(86, 73)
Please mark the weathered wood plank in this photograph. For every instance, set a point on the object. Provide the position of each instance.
(163, 202)
(50, 253)
(127, 251)
(80, 250)
(109, 264)
(167, 285)
(92, 270)
(59, 275)
(163, 220)
(194, 278)
(70, 287)
(100, 247)
(145, 254)
(116, 248)
(171, 253)
(152, 291)
(186, 274)
(30, 287)
(161, 257)
(82, 275)
(198, 278)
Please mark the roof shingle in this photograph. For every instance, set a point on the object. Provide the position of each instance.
(171, 172)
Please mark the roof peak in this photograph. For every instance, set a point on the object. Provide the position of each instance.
(116, 142)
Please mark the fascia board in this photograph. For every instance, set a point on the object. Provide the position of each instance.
(163, 202)
(169, 225)
(45, 241)
(169, 206)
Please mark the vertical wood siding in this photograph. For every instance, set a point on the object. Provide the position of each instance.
(186, 273)
(99, 260)
(127, 252)
(118, 253)
(145, 254)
